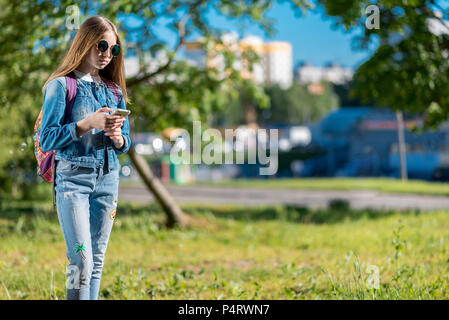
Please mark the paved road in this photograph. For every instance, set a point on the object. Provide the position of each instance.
(309, 198)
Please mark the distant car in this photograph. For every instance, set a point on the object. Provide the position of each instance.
(149, 143)
(441, 174)
(127, 170)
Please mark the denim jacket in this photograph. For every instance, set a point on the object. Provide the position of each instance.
(87, 150)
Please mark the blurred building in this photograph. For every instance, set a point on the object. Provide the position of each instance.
(278, 63)
(259, 72)
(332, 72)
(274, 66)
(363, 141)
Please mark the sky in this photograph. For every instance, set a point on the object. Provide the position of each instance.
(313, 37)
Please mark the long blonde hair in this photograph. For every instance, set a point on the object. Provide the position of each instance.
(91, 31)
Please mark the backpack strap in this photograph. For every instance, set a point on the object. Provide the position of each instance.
(69, 100)
(70, 96)
(112, 86)
(71, 93)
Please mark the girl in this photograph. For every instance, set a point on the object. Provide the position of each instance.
(86, 164)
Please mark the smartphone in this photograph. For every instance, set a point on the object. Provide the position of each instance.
(121, 112)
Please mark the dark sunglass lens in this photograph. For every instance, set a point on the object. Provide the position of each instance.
(102, 45)
(115, 50)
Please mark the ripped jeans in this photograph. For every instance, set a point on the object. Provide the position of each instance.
(86, 202)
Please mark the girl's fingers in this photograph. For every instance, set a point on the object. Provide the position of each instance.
(118, 130)
(113, 132)
(115, 122)
(114, 125)
(108, 116)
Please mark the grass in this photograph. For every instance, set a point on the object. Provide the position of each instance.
(388, 185)
(235, 252)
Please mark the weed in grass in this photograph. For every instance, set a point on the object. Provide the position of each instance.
(398, 242)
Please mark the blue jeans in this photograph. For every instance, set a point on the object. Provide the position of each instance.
(86, 202)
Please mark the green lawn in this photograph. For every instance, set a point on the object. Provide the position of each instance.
(378, 184)
(237, 253)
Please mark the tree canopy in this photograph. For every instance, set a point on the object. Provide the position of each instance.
(35, 37)
(409, 69)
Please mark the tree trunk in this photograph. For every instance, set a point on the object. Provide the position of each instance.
(250, 113)
(401, 144)
(174, 214)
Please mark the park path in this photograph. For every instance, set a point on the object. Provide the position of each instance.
(357, 199)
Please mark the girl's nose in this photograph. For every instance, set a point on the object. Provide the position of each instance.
(107, 54)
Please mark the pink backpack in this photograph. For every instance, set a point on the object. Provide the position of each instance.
(46, 160)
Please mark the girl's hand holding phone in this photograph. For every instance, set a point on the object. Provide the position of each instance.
(111, 124)
(115, 134)
(113, 129)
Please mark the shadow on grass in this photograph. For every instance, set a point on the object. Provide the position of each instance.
(296, 214)
(25, 216)
(337, 211)
(31, 216)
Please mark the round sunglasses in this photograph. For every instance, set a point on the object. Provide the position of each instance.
(103, 45)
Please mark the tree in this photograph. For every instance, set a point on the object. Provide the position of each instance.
(296, 104)
(34, 36)
(299, 103)
(345, 97)
(243, 105)
(409, 69)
